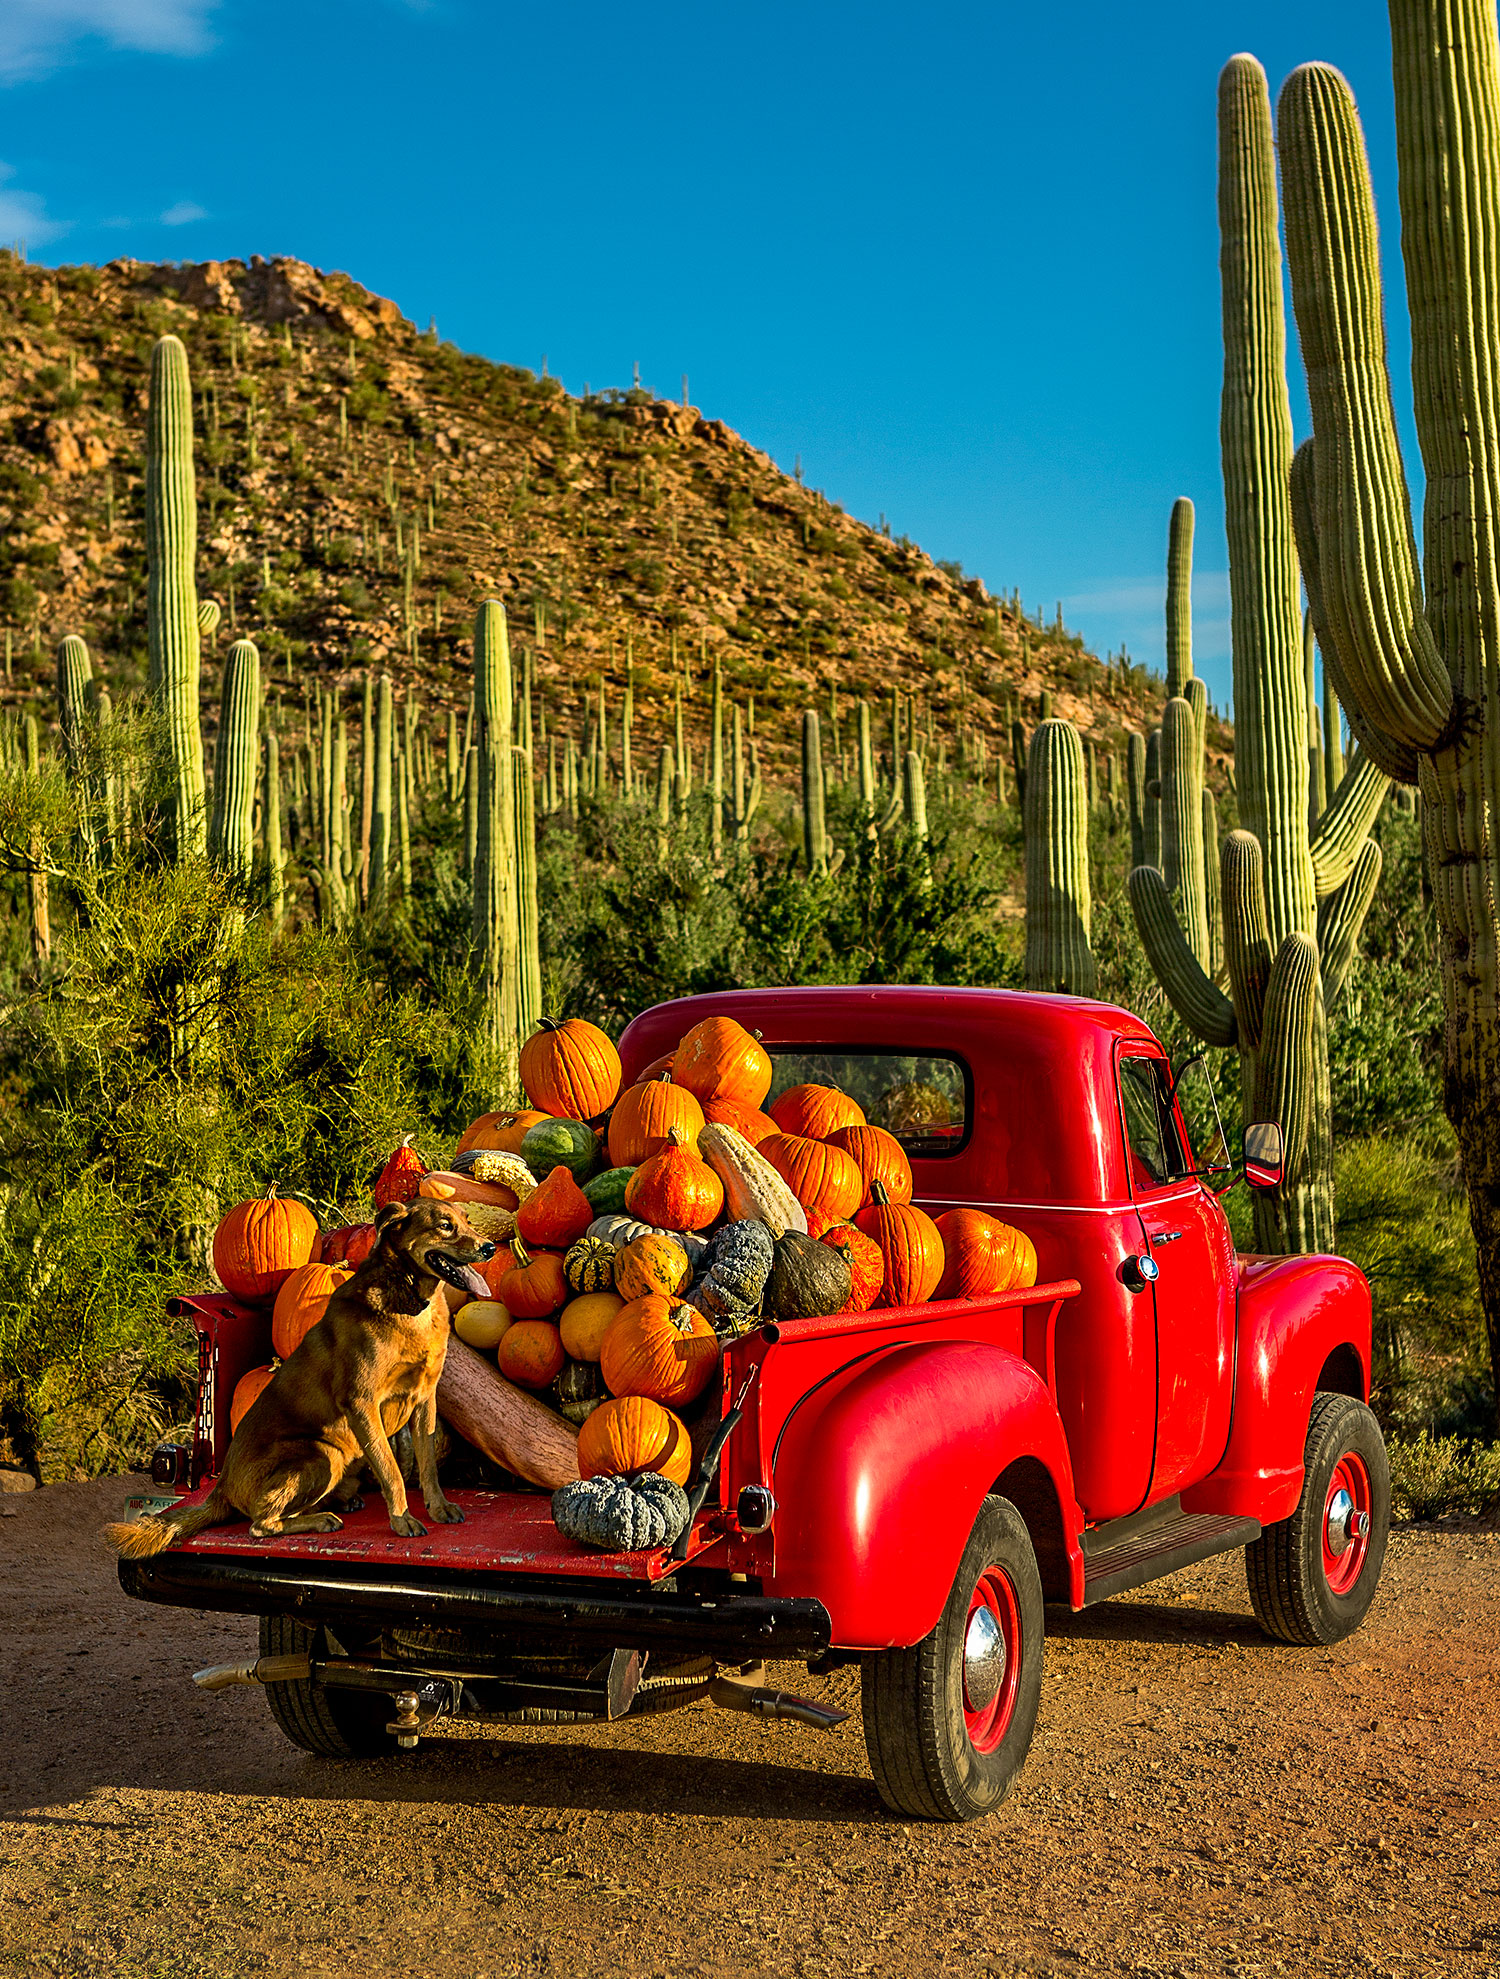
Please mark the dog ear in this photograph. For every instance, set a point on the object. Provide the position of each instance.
(393, 1213)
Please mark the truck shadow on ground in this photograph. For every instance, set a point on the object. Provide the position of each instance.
(1156, 1622)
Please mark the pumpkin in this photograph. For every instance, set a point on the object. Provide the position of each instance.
(245, 1391)
(720, 1059)
(531, 1353)
(659, 1348)
(634, 1434)
(531, 1285)
(579, 1390)
(658, 1068)
(734, 1282)
(502, 1131)
(570, 1068)
(982, 1254)
(910, 1244)
(620, 1514)
(584, 1321)
(866, 1265)
(397, 1181)
(815, 1111)
(675, 1189)
(571, 1142)
(589, 1265)
(747, 1121)
(824, 1179)
(555, 1213)
(301, 1303)
(879, 1157)
(484, 1323)
(258, 1245)
(651, 1263)
(606, 1191)
(350, 1244)
(752, 1187)
(645, 1115)
(808, 1279)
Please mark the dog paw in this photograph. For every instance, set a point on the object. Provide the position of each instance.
(406, 1527)
(353, 1505)
(443, 1512)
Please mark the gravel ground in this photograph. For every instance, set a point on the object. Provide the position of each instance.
(1198, 1802)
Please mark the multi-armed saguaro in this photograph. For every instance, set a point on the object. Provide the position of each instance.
(171, 594)
(1273, 873)
(1420, 682)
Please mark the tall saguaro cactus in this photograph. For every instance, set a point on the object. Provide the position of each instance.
(495, 932)
(230, 838)
(1180, 597)
(1418, 678)
(171, 593)
(1059, 901)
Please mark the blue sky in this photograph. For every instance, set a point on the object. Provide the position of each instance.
(961, 259)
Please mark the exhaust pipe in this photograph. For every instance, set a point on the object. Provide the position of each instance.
(763, 1703)
(259, 1670)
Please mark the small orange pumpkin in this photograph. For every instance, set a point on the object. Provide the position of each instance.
(531, 1353)
(501, 1132)
(824, 1179)
(301, 1303)
(879, 1157)
(675, 1189)
(815, 1111)
(555, 1213)
(258, 1245)
(643, 1118)
(982, 1254)
(570, 1068)
(585, 1321)
(653, 1263)
(401, 1177)
(719, 1059)
(866, 1264)
(659, 1348)
(910, 1244)
(529, 1284)
(634, 1434)
(350, 1244)
(245, 1391)
(747, 1121)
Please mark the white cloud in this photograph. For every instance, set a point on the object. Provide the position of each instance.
(23, 216)
(182, 213)
(39, 35)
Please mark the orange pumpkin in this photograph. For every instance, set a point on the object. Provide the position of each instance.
(350, 1244)
(531, 1353)
(529, 1284)
(675, 1189)
(659, 1348)
(555, 1213)
(910, 1244)
(645, 1115)
(824, 1179)
(258, 1245)
(650, 1264)
(815, 1111)
(657, 1069)
(501, 1132)
(399, 1179)
(747, 1121)
(879, 1157)
(866, 1264)
(982, 1254)
(570, 1069)
(720, 1059)
(301, 1303)
(634, 1434)
(245, 1391)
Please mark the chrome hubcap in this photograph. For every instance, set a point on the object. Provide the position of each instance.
(1341, 1516)
(984, 1659)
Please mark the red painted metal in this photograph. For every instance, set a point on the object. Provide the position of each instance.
(1342, 1570)
(989, 1721)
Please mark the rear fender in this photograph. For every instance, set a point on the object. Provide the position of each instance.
(879, 1473)
(1300, 1321)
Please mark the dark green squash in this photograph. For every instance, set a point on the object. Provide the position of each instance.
(606, 1192)
(569, 1144)
(579, 1390)
(808, 1280)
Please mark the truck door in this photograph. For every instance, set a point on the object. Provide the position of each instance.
(1186, 1232)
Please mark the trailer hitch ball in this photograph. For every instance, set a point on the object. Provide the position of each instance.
(406, 1724)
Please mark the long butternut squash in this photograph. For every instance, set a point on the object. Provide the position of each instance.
(753, 1191)
(511, 1427)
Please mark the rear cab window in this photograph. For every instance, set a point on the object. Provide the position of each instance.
(926, 1102)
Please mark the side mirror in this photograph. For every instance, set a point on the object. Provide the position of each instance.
(1264, 1155)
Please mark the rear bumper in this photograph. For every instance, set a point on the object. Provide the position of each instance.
(531, 1613)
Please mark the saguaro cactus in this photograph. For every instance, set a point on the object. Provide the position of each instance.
(495, 931)
(814, 832)
(230, 838)
(1180, 597)
(382, 809)
(171, 595)
(275, 852)
(1055, 825)
(74, 684)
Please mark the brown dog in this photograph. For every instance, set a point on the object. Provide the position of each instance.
(370, 1365)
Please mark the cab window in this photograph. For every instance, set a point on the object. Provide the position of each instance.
(1150, 1130)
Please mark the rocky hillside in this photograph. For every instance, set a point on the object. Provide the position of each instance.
(361, 485)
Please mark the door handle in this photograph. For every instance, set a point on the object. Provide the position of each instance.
(1166, 1236)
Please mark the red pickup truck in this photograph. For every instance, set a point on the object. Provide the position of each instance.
(904, 1489)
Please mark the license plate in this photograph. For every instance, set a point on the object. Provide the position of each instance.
(142, 1504)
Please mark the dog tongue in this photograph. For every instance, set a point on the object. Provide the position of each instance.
(473, 1284)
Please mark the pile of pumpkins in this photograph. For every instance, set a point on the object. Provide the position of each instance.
(637, 1229)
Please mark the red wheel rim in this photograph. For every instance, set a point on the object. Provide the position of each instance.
(1346, 1523)
(991, 1659)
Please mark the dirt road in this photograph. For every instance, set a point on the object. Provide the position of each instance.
(1198, 1802)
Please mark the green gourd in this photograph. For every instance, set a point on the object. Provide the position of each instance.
(568, 1144)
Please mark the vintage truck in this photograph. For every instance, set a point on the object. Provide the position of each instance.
(900, 1489)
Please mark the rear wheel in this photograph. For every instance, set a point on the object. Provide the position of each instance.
(1313, 1576)
(948, 1722)
(336, 1724)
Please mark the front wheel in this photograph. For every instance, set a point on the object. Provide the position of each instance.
(1313, 1576)
(948, 1722)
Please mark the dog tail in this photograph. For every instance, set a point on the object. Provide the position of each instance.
(138, 1539)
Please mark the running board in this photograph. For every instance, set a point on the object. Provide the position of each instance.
(1129, 1552)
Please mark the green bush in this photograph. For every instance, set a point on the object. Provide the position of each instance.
(1435, 1477)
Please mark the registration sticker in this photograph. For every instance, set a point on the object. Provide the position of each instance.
(144, 1504)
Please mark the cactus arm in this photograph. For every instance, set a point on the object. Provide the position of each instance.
(1058, 899)
(1179, 597)
(1247, 934)
(1151, 819)
(1182, 823)
(1196, 695)
(1345, 825)
(1284, 1076)
(1333, 739)
(866, 760)
(916, 794)
(1202, 1006)
(1135, 787)
(236, 761)
(1341, 917)
(814, 834)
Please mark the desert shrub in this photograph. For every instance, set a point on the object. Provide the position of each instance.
(1435, 1477)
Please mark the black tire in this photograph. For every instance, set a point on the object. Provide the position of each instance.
(335, 1724)
(917, 1727)
(1298, 1594)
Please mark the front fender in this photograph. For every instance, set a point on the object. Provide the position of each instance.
(1294, 1315)
(878, 1476)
